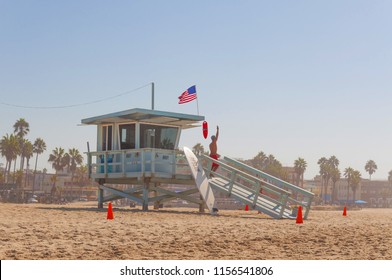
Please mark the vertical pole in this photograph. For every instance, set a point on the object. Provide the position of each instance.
(155, 193)
(145, 198)
(146, 190)
(89, 160)
(197, 102)
(100, 198)
(202, 205)
(152, 95)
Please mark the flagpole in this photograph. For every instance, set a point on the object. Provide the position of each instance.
(197, 102)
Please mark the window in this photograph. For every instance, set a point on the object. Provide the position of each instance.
(161, 137)
(107, 138)
(127, 136)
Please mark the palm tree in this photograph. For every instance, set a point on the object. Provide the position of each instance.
(66, 162)
(332, 164)
(82, 175)
(274, 168)
(370, 168)
(259, 161)
(268, 164)
(27, 153)
(21, 128)
(327, 171)
(39, 147)
(18, 178)
(323, 163)
(300, 168)
(75, 159)
(348, 173)
(9, 148)
(198, 149)
(333, 161)
(57, 159)
(43, 177)
(355, 180)
(335, 176)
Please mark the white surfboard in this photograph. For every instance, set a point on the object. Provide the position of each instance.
(201, 180)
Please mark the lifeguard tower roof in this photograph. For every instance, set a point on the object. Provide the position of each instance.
(145, 115)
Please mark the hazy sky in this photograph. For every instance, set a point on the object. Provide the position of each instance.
(290, 78)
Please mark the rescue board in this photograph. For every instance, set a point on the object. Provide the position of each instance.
(201, 180)
(205, 129)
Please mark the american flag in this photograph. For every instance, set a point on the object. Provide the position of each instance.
(188, 95)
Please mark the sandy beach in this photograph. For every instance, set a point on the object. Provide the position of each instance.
(81, 231)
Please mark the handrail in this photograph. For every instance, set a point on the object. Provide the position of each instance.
(269, 177)
(246, 175)
(139, 161)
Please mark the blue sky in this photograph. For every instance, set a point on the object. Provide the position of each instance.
(290, 78)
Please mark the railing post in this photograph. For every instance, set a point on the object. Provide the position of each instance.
(283, 204)
(209, 166)
(89, 159)
(153, 155)
(106, 164)
(124, 156)
(142, 161)
(100, 197)
(174, 162)
(232, 181)
(257, 192)
(308, 208)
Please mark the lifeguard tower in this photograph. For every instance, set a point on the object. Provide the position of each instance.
(139, 147)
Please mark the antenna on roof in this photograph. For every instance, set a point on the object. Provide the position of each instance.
(152, 95)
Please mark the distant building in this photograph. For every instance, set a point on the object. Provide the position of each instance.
(376, 193)
(291, 175)
(48, 186)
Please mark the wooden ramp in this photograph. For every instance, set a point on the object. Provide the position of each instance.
(257, 189)
(252, 198)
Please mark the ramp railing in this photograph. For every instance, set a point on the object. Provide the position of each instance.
(259, 194)
(274, 196)
(298, 196)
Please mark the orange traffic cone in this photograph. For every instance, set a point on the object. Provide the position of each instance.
(246, 207)
(345, 211)
(299, 216)
(110, 215)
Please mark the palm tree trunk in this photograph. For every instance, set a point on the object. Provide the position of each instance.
(5, 171)
(21, 163)
(42, 180)
(35, 171)
(25, 182)
(13, 181)
(325, 191)
(333, 195)
(322, 188)
(9, 171)
(348, 191)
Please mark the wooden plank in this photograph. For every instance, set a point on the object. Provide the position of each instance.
(120, 193)
(173, 195)
(269, 177)
(262, 204)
